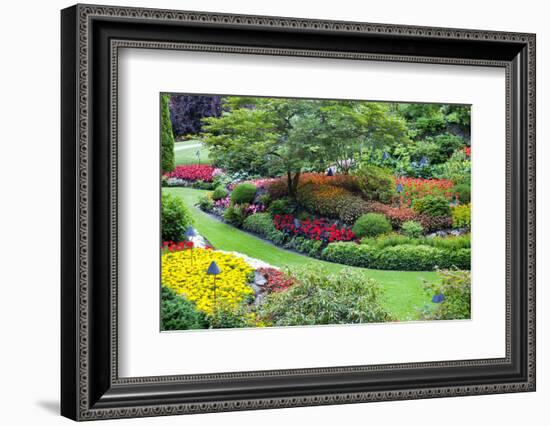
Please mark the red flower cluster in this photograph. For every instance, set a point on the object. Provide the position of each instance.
(192, 172)
(276, 280)
(468, 151)
(414, 188)
(396, 215)
(317, 229)
(171, 246)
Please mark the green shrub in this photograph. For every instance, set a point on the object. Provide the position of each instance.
(376, 183)
(219, 193)
(432, 205)
(389, 240)
(409, 258)
(455, 286)
(457, 168)
(228, 317)
(235, 215)
(206, 203)
(412, 229)
(243, 193)
(177, 313)
(350, 254)
(305, 245)
(348, 297)
(371, 225)
(458, 259)
(280, 207)
(276, 236)
(166, 136)
(265, 199)
(259, 223)
(352, 209)
(200, 184)
(175, 218)
(462, 216)
(463, 190)
(449, 243)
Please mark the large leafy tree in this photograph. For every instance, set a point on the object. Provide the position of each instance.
(167, 135)
(274, 136)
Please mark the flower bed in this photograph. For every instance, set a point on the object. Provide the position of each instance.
(276, 280)
(317, 229)
(185, 273)
(414, 188)
(192, 173)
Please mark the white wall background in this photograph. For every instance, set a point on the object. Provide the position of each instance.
(29, 225)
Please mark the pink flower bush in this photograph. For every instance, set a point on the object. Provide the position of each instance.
(254, 208)
(317, 229)
(192, 172)
(223, 203)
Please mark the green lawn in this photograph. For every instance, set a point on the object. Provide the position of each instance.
(186, 153)
(403, 289)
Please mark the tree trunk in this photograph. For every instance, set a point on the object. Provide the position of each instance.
(292, 182)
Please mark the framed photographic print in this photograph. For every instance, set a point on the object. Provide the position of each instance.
(263, 212)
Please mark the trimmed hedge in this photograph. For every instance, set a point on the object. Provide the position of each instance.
(403, 257)
(350, 254)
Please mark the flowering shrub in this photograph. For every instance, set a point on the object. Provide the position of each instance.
(276, 280)
(348, 182)
(468, 151)
(185, 273)
(414, 188)
(317, 229)
(254, 208)
(276, 188)
(396, 215)
(223, 203)
(193, 172)
(330, 201)
(171, 246)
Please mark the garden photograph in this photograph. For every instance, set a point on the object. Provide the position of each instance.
(283, 212)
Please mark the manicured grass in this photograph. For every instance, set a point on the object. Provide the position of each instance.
(403, 288)
(186, 153)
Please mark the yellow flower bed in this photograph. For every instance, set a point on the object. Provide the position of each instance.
(189, 278)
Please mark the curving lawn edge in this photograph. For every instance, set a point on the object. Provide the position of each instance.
(404, 291)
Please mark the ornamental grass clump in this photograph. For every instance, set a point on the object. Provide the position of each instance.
(319, 297)
(185, 273)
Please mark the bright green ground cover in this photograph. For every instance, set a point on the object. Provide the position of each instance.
(186, 153)
(403, 289)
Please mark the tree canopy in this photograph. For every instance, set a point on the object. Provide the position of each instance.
(270, 136)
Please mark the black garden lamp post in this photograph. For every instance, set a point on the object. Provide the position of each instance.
(198, 154)
(330, 172)
(190, 233)
(214, 269)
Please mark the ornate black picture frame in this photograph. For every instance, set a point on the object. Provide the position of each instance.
(91, 36)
